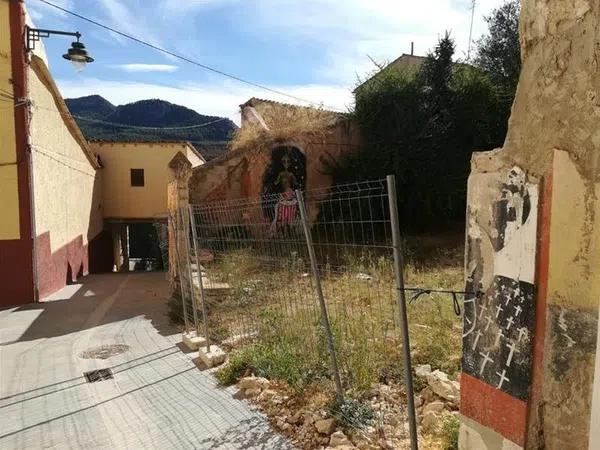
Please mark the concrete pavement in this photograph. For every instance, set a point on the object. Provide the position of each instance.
(157, 399)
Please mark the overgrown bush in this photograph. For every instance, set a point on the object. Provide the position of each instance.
(450, 431)
(236, 366)
(281, 353)
(422, 127)
(351, 413)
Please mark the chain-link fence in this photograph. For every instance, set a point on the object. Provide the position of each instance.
(312, 277)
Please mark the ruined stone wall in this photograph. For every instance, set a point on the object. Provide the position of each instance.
(553, 144)
(558, 98)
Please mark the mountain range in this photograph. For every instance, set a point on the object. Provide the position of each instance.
(99, 119)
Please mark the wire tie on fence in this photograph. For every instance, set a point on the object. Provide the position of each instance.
(419, 293)
(456, 304)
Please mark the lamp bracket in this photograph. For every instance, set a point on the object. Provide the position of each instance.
(32, 35)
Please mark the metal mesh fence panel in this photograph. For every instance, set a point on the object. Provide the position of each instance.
(257, 280)
(259, 290)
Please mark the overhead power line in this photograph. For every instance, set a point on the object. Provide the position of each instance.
(183, 58)
(122, 125)
(10, 99)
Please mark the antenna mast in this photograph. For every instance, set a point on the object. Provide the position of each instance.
(471, 29)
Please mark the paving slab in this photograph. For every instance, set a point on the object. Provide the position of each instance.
(156, 398)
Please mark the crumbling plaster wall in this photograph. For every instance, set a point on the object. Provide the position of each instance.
(554, 135)
(558, 107)
(558, 98)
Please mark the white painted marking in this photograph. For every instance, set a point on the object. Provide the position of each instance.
(562, 323)
(489, 320)
(498, 337)
(483, 308)
(499, 309)
(570, 342)
(503, 378)
(512, 348)
(477, 336)
(471, 300)
(510, 322)
(522, 332)
(518, 310)
(486, 359)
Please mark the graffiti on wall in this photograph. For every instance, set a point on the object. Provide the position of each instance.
(285, 173)
(498, 326)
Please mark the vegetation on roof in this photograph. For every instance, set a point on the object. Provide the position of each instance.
(284, 122)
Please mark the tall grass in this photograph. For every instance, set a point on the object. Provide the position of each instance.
(277, 307)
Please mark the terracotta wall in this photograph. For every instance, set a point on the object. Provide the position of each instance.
(240, 174)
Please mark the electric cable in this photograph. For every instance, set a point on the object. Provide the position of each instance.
(184, 58)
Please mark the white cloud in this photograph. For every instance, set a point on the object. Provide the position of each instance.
(348, 31)
(216, 97)
(342, 34)
(132, 18)
(146, 67)
(41, 12)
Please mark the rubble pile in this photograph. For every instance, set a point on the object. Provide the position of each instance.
(307, 420)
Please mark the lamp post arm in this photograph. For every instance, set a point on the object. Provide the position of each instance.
(32, 35)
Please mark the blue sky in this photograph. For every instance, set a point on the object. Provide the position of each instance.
(313, 49)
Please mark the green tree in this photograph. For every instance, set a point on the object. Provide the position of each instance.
(436, 76)
(499, 51)
(422, 127)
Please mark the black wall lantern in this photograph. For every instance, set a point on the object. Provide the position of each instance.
(77, 54)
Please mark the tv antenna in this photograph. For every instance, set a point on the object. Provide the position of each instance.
(471, 29)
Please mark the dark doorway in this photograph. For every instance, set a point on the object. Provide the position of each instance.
(144, 249)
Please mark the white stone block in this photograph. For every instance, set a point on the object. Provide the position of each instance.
(212, 358)
(192, 340)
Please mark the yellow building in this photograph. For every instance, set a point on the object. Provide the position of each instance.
(135, 176)
(64, 202)
(50, 212)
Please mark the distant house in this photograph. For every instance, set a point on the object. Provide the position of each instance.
(404, 62)
(135, 176)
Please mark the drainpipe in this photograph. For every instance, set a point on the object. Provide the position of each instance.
(21, 91)
(28, 151)
(34, 268)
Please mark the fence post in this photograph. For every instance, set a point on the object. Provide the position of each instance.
(200, 282)
(324, 315)
(399, 273)
(187, 255)
(177, 229)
